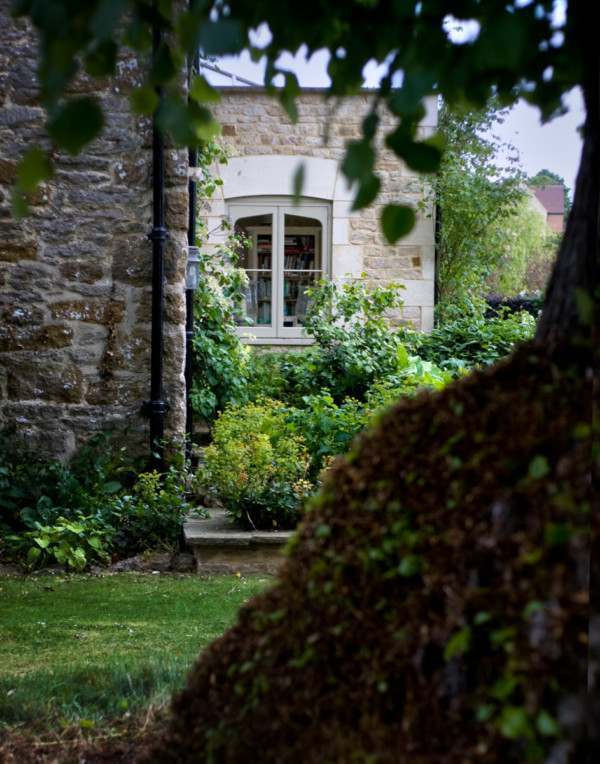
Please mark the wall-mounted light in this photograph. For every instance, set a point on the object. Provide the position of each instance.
(192, 275)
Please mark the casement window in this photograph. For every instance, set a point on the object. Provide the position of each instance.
(287, 252)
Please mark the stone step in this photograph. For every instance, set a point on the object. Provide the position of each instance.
(219, 546)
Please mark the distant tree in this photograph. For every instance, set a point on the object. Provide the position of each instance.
(526, 251)
(549, 178)
(476, 196)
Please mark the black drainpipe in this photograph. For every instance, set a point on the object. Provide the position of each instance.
(189, 295)
(437, 238)
(157, 407)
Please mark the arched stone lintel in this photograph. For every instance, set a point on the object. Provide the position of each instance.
(273, 175)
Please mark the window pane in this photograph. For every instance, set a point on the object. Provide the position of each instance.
(302, 265)
(256, 257)
(302, 247)
(258, 299)
(295, 299)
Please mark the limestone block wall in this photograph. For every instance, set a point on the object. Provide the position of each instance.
(265, 148)
(75, 275)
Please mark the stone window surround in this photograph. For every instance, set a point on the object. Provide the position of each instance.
(311, 208)
(266, 176)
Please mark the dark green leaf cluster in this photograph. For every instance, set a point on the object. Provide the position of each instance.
(467, 339)
(97, 506)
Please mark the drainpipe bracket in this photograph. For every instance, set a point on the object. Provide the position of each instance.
(158, 233)
(151, 408)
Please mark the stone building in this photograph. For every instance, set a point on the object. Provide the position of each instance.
(265, 149)
(75, 275)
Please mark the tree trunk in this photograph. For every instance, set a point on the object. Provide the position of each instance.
(573, 292)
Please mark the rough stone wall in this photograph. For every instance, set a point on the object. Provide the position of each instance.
(254, 123)
(75, 275)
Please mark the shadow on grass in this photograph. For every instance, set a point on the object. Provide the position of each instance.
(91, 694)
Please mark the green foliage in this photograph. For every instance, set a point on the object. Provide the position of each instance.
(525, 246)
(88, 510)
(220, 360)
(356, 345)
(256, 466)
(219, 357)
(476, 199)
(418, 47)
(74, 543)
(151, 515)
(327, 428)
(469, 339)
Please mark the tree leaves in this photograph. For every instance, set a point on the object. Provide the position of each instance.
(76, 123)
(287, 96)
(33, 168)
(458, 644)
(202, 91)
(358, 166)
(421, 156)
(221, 37)
(298, 181)
(359, 160)
(367, 192)
(144, 100)
(188, 124)
(397, 221)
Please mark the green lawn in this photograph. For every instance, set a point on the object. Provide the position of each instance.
(77, 648)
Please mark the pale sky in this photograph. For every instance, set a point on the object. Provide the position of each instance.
(555, 146)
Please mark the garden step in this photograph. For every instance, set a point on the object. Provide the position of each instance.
(221, 547)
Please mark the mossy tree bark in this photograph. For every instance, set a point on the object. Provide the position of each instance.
(572, 294)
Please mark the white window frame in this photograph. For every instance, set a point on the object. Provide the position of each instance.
(278, 208)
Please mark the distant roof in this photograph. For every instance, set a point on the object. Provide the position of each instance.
(552, 197)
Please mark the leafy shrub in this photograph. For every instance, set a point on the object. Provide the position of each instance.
(33, 490)
(326, 427)
(88, 510)
(356, 344)
(219, 357)
(473, 340)
(354, 347)
(256, 466)
(151, 515)
(74, 543)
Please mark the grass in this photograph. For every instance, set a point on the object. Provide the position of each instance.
(84, 649)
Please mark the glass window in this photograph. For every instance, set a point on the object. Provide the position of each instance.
(284, 254)
(257, 259)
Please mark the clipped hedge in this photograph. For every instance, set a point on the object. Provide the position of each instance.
(433, 607)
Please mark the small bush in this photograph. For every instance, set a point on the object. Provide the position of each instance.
(74, 543)
(473, 340)
(151, 515)
(256, 466)
(94, 508)
(326, 427)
